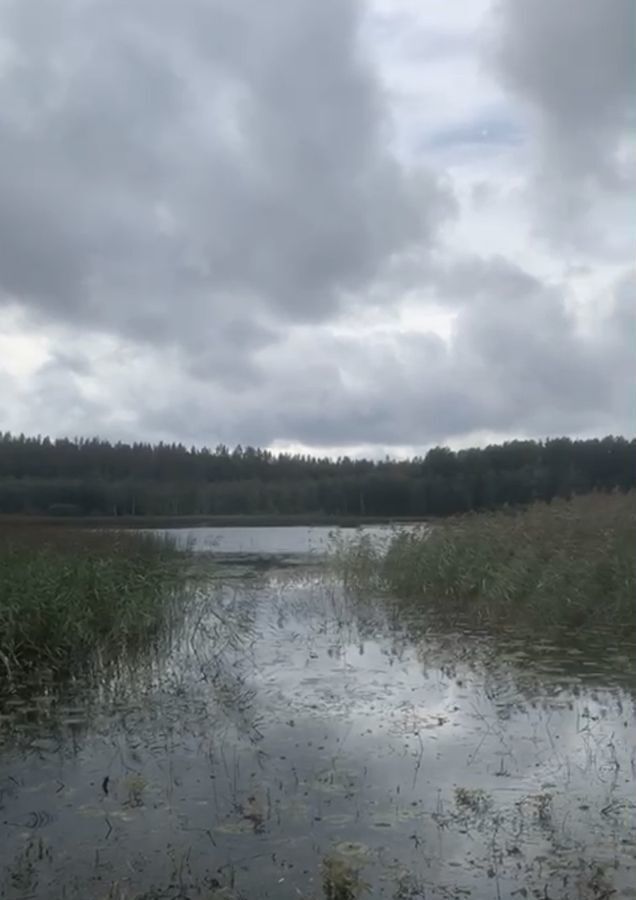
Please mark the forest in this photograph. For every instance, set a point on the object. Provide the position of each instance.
(93, 477)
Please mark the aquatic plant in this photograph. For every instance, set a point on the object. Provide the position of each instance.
(341, 880)
(474, 800)
(69, 596)
(135, 786)
(568, 563)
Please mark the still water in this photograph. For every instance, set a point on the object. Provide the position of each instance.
(285, 735)
(294, 543)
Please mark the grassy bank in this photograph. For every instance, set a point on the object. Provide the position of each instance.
(569, 563)
(67, 597)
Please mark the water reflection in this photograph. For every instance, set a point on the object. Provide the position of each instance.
(288, 724)
(289, 543)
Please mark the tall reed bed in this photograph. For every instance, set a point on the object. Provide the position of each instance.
(68, 596)
(568, 563)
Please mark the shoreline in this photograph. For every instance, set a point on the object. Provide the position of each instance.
(237, 521)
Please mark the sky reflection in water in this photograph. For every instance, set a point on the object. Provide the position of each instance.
(288, 722)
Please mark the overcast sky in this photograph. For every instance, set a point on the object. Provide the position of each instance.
(344, 226)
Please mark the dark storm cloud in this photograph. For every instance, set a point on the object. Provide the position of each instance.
(164, 161)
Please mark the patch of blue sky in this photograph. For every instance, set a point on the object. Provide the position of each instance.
(494, 131)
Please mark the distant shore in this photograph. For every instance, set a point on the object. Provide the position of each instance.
(238, 521)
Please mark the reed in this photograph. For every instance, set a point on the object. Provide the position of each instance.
(568, 563)
(69, 596)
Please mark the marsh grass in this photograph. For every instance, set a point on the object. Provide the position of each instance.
(68, 596)
(568, 564)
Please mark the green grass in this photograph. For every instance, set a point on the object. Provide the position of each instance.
(70, 597)
(568, 564)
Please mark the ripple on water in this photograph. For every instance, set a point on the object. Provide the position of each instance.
(288, 724)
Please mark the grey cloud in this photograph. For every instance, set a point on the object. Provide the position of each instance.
(469, 279)
(210, 182)
(574, 63)
(616, 345)
(571, 64)
(516, 364)
(55, 403)
(527, 356)
(162, 161)
(624, 309)
(229, 356)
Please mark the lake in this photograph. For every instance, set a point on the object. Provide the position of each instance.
(297, 544)
(286, 740)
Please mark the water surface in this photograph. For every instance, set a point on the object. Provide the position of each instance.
(298, 542)
(285, 726)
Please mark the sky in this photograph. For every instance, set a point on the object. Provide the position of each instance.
(318, 225)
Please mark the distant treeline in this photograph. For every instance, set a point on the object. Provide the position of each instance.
(96, 478)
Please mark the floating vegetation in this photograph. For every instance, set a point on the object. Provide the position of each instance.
(134, 786)
(409, 887)
(540, 806)
(475, 800)
(341, 879)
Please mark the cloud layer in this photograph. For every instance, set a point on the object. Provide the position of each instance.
(332, 224)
